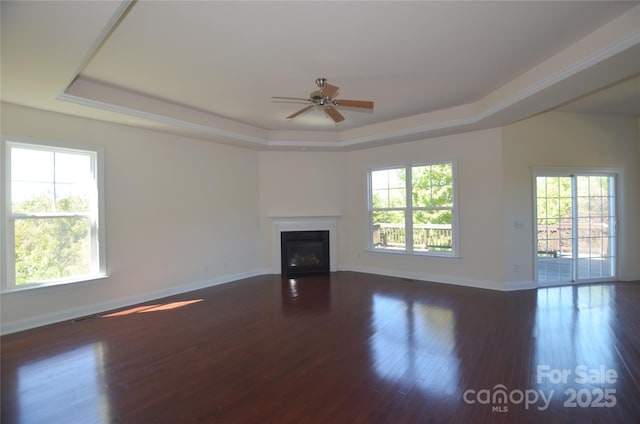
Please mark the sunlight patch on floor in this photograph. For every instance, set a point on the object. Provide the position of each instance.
(153, 308)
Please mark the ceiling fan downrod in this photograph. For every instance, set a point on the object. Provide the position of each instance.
(320, 82)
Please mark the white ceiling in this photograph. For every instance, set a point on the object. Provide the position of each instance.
(209, 68)
(620, 98)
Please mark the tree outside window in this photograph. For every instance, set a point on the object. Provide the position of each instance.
(52, 225)
(421, 222)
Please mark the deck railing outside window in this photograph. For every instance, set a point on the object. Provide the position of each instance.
(435, 237)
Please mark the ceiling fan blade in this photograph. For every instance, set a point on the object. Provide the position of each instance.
(290, 98)
(329, 90)
(334, 114)
(364, 104)
(301, 111)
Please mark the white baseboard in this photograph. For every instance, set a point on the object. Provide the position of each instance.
(630, 277)
(520, 285)
(97, 308)
(481, 284)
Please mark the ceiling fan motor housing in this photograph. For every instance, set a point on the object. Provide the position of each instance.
(323, 98)
(319, 100)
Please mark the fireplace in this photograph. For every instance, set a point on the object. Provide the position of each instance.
(304, 253)
(281, 224)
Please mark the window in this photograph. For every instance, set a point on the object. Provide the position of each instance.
(53, 231)
(411, 209)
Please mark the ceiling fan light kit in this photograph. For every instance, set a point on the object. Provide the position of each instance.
(323, 98)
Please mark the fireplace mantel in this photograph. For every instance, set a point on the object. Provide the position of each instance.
(304, 223)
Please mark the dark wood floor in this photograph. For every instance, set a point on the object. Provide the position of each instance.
(344, 348)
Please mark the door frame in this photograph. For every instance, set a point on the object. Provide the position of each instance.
(618, 234)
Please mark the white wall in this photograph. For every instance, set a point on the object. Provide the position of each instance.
(479, 172)
(180, 214)
(183, 213)
(495, 194)
(300, 184)
(334, 183)
(568, 140)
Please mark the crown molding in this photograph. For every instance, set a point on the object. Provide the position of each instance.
(163, 119)
(573, 72)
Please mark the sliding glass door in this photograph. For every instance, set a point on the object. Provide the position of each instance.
(575, 227)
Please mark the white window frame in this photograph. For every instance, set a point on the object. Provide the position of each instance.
(7, 250)
(408, 210)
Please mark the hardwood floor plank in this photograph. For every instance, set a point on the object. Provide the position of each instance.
(343, 348)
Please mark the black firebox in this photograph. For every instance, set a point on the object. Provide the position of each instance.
(304, 253)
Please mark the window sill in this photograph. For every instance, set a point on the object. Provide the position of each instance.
(419, 254)
(36, 287)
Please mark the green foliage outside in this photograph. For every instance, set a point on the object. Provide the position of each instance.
(432, 200)
(432, 188)
(554, 200)
(559, 225)
(51, 248)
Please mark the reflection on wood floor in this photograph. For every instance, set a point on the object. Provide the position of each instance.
(553, 270)
(343, 348)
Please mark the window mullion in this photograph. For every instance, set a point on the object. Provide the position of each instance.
(10, 261)
(55, 189)
(408, 215)
(14, 216)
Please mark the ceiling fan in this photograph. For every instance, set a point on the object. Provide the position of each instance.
(324, 98)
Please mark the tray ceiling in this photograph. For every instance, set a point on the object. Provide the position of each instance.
(209, 69)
